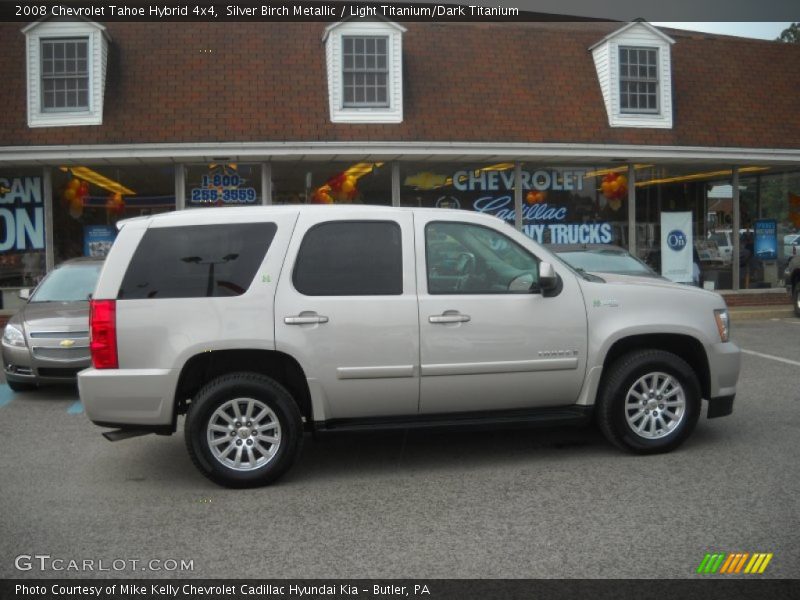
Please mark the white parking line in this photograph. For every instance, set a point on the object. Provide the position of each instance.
(771, 357)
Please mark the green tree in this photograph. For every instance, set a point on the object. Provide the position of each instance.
(790, 35)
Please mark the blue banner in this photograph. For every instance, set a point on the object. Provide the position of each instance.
(97, 240)
(766, 242)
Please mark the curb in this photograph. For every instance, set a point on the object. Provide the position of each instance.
(741, 313)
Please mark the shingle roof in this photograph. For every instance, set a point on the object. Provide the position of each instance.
(464, 82)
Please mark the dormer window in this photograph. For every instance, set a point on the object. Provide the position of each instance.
(65, 74)
(365, 71)
(635, 75)
(66, 63)
(638, 80)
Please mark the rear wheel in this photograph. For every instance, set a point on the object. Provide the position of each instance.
(21, 386)
(796, 298)
(650, 402)
(243, 430)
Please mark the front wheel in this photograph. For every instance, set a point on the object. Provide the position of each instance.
(796, 298)
(650, 402)
(243, 430)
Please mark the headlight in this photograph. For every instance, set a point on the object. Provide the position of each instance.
(723, 323)
(13, 336)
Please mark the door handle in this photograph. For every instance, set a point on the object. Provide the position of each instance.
(449, 318)
(305, 320)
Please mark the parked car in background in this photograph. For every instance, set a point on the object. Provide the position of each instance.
(724, 241)
(47, 341)
(791, 245)
(792, 278)
(602, 258)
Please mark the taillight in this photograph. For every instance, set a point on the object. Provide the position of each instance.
(103, 333)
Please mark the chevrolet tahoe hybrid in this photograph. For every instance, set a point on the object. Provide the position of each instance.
(262, 323)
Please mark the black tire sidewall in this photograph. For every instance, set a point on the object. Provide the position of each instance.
(625, 373)
(243, 385)
(796, 299)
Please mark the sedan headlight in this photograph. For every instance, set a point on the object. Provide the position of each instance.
(13, 336)
(723, 323)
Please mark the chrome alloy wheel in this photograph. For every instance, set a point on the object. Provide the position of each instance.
(655, 405)
(243, 434)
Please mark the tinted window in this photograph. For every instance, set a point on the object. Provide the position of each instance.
(470, 259)
(345, 258)
(197, 261)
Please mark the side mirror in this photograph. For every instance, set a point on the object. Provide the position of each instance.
(548, 278)
(25, 294)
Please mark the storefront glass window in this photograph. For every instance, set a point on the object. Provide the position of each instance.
(560, 205)
(88, 202)
(770, 223)
(700, 195)
(223, 184)
(351, 182)
(22, 232)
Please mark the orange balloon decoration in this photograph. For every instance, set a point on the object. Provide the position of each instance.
(534, 197)
(614, 187)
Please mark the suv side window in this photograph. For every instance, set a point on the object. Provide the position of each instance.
(196, 261)
(471, 259)
(350, 258)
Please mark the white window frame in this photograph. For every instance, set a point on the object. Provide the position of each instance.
(96, 59)
(387, 71)
(55, 76)
(657, 81)
(605, 53)
(392, 112)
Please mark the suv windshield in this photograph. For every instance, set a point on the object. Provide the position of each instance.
(68, 284)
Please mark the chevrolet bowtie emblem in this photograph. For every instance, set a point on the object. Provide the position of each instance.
(67, 343)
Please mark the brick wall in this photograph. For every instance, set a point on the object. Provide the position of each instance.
(491, 82)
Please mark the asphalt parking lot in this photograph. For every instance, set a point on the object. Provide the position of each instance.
(497, 504)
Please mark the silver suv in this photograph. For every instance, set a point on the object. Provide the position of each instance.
(262, 323)
(47, 341)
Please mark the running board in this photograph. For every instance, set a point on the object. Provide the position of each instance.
(550, 417)
(124, 434)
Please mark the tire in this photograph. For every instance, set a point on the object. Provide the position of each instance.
(796, 298)
(21, 386)
(665, 422)
(265, 449)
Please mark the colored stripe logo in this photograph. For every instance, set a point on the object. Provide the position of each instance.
(734, 563)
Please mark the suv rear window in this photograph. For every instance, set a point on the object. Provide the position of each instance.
(197, 261)
(350, 258)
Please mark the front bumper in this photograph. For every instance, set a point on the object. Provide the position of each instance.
(720, 407)
(20, 366)
(724, 362)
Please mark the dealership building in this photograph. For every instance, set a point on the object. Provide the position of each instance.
(582, 132)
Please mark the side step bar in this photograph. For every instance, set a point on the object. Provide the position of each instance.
(548, 417)
(124, 434)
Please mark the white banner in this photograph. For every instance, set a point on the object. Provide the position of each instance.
(676, 246)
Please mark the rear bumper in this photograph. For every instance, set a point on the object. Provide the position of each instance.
(128, 397)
